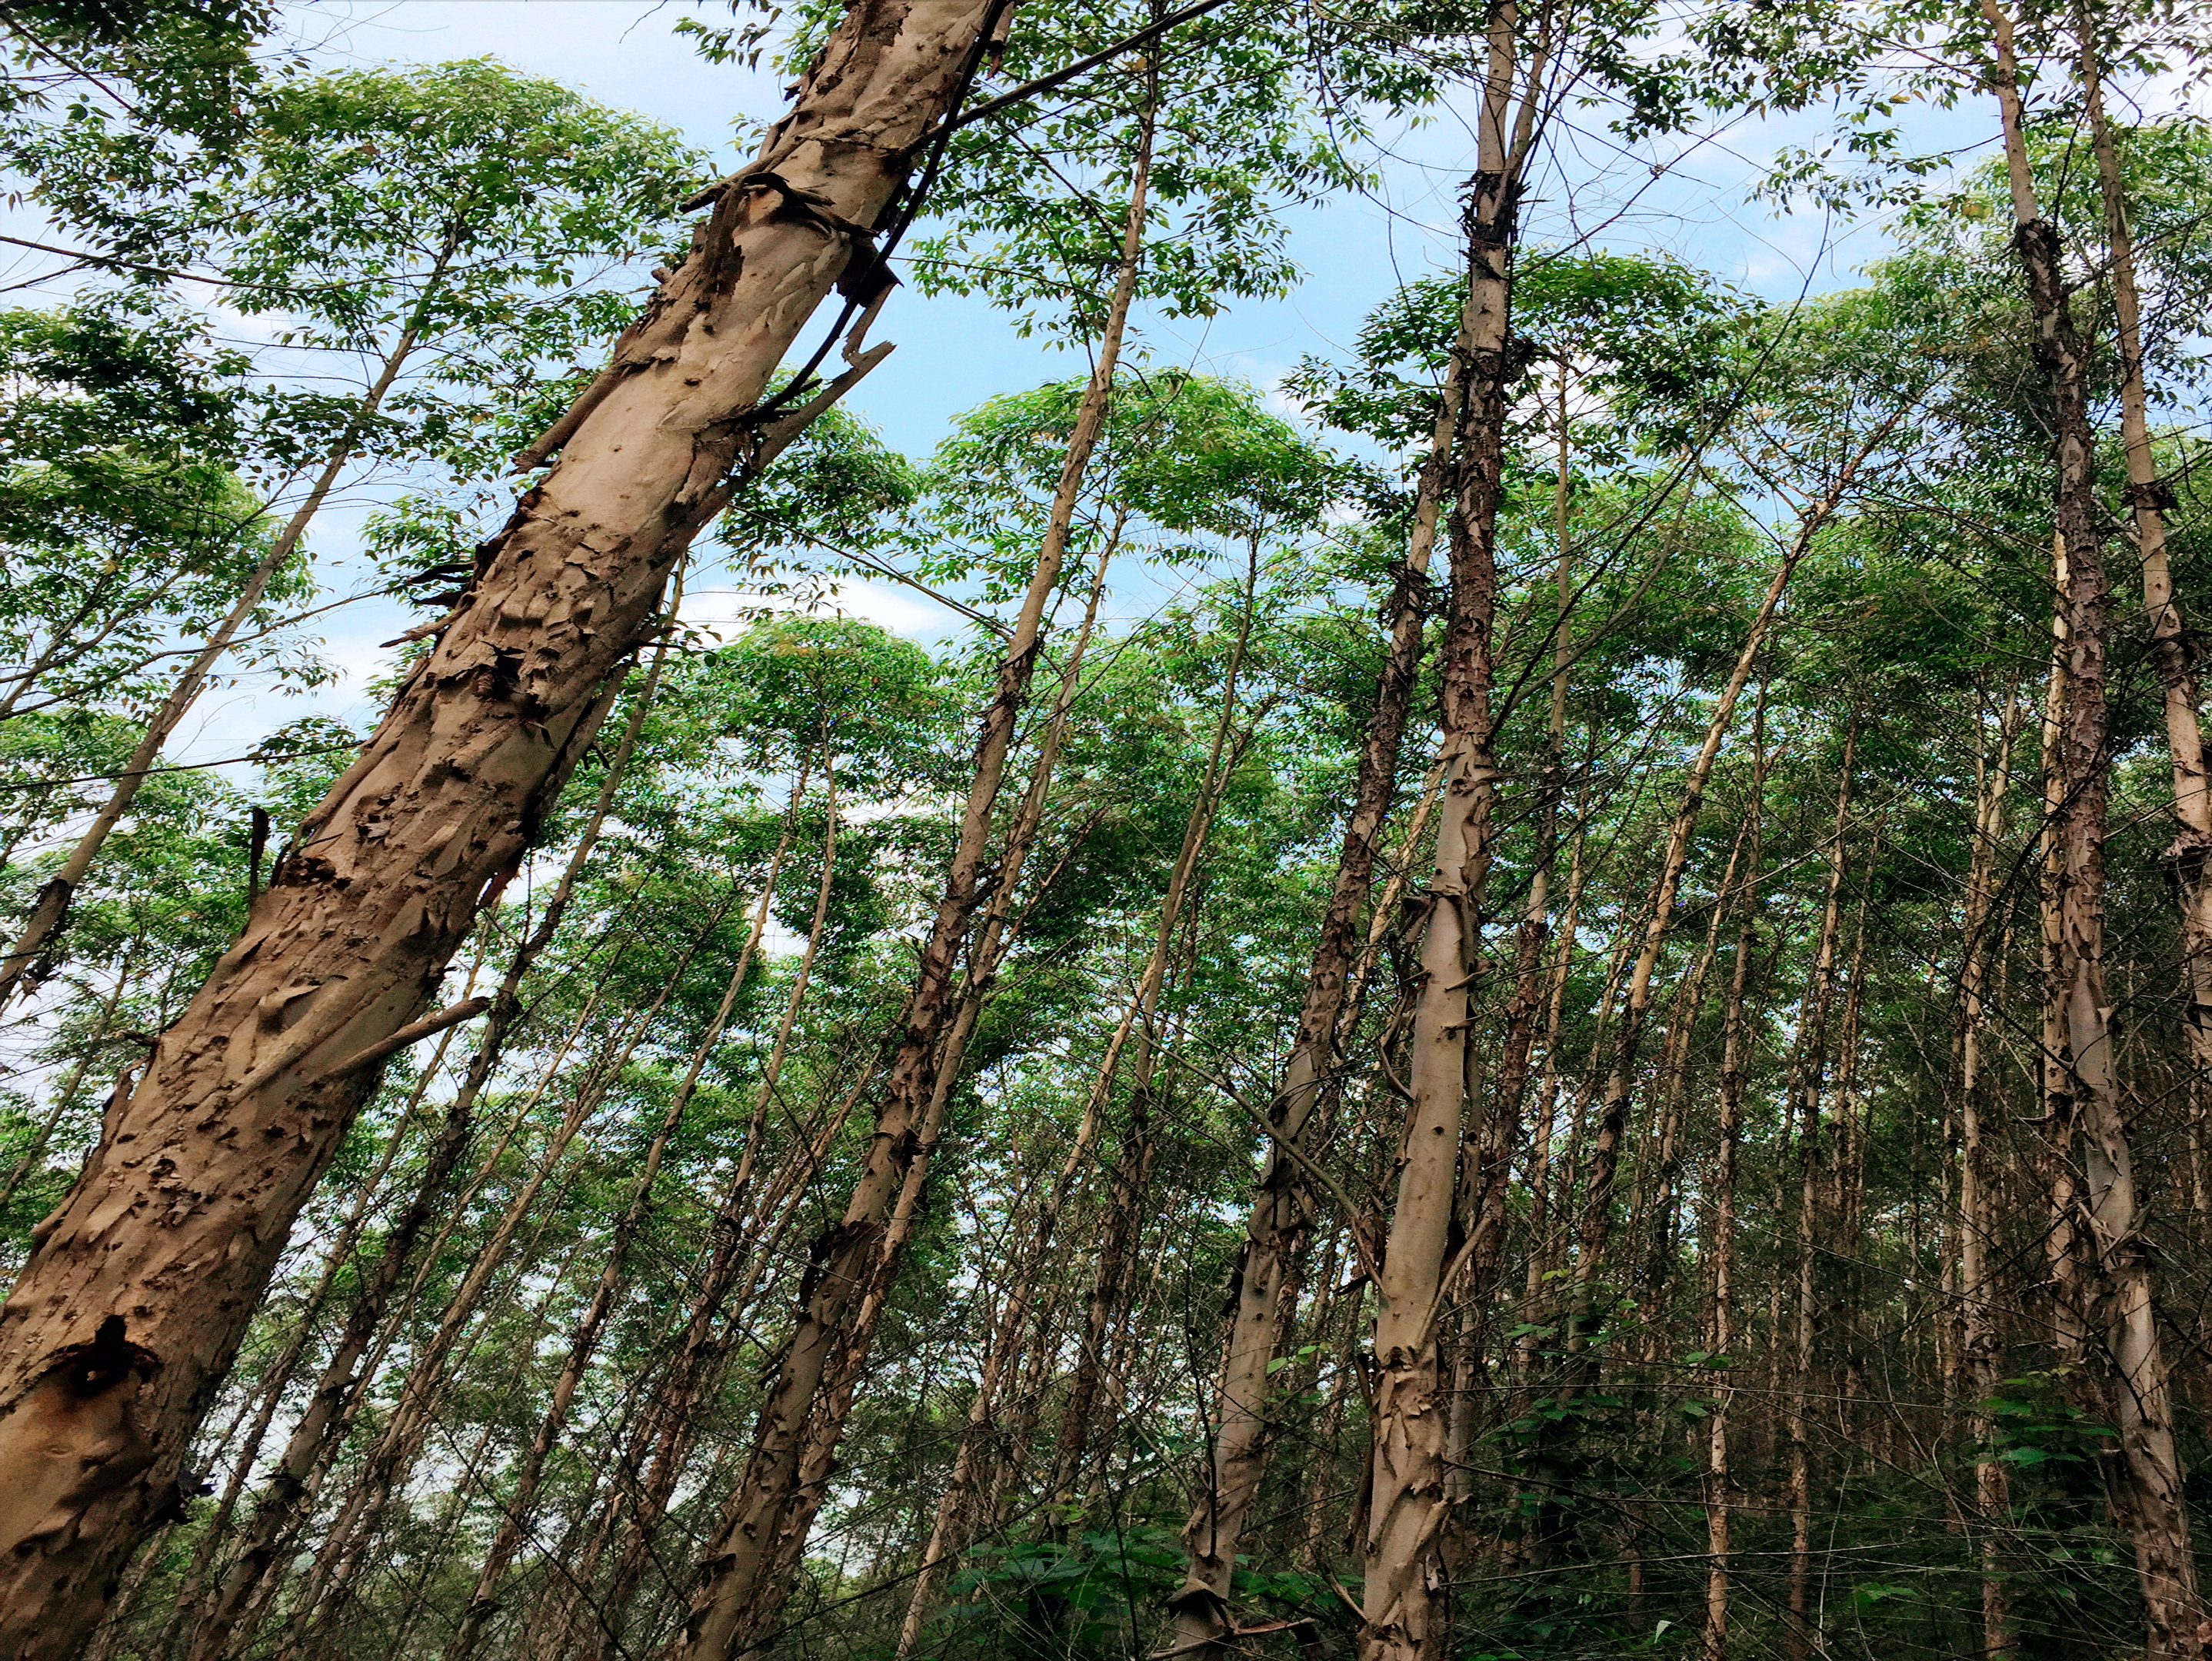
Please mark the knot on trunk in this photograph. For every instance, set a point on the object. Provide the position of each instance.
(844, 1240)
(2154, 494)
(2185, 857)
(93, 1369)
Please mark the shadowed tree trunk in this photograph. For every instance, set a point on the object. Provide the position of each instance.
(1736, 1060)
(1978, 1349)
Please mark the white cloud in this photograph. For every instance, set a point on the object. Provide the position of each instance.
(900, 611)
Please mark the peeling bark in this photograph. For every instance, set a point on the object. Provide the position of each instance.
(141, 1283)
(1282, 1203)
(1407, 1499)
(2084, 1087)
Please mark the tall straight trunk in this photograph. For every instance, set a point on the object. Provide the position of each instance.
(117, 1330)
(50, 909)
(1801, 1110)
(2131, 1364)
(1979, 1350)
(330, 1410)
(657, 1453)
(1487, 1169)
(1133, 1162)
(1847, 1165)
(1407, 1499)
(2190, 859)
(2061, 1247)
(736, 1561)
(1282, 1201)
(1728, 1139)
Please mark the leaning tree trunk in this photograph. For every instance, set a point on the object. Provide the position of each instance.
(140, 1284)
(50, 910)
(2086, 1086)
(1282, 1201)
(1132, 1160)
(646, 1479)
(1595, 1234)
(739, 1559)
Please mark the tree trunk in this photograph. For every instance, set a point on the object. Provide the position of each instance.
(2131, 1366)
(50, 910)
(1736, 1065)
(731, 1573)
(1978, 1349)
(2189, 860)
(1407, 1499)
(120, 1325)
(1282, 1201)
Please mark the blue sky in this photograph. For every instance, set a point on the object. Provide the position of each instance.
(952, 353)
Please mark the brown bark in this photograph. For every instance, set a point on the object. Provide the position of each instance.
(1978, 1348)
(1719, 1496)
(1407, 1499)
(2130, 1365)
(1283, 1202)
(262, 1405)
(330, 1410)
(140, 1284)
